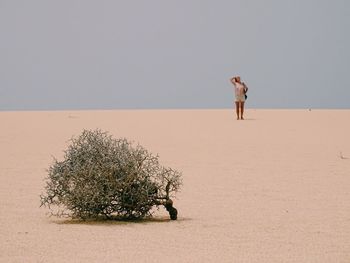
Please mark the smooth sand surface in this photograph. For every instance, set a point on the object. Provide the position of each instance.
(272, 188)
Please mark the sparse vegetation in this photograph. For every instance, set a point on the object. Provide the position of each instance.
(103, 176)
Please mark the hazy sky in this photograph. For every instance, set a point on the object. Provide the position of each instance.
(70, 54)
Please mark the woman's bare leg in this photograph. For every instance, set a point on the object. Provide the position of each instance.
(242, 110)
(237, 109)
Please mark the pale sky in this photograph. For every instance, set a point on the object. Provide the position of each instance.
(70, 54)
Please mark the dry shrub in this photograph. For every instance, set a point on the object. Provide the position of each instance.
(103, 176)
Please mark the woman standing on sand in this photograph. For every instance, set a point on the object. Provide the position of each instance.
(240, 96)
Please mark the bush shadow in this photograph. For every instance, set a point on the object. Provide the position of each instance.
(117, 221)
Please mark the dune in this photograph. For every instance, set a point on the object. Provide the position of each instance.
(271, 188)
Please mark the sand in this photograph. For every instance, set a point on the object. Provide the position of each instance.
(272, 188)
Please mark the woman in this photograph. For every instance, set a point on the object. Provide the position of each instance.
(240, 95)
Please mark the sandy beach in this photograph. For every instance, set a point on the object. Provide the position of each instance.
(272, 188)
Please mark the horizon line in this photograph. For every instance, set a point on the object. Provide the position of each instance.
(158, 109)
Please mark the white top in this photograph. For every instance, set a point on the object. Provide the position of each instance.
(239, 89)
